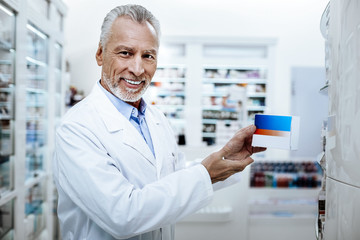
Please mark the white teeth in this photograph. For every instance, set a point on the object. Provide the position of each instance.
(132, 82)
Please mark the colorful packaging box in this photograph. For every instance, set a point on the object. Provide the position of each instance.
(275, 131)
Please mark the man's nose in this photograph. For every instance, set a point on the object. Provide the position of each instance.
(137, 66)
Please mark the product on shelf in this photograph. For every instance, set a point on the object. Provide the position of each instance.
(306, 174)
(5, 177)
(234, 73)
(6, 219)
(232, 93)
(34, 211)
(167, 92)
(6, 69)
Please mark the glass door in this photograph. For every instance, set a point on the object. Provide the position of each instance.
(7, 57)
(36, 101)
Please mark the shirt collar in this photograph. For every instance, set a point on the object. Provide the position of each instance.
(124, 108)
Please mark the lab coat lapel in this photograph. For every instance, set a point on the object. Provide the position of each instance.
(116, 123)
(155, 126)
(133, 138)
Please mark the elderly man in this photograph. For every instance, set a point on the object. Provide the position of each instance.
(116, 164)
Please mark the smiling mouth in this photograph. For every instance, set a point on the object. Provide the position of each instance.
(132, 81)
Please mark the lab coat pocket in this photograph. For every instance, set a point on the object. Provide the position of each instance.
(169, 164)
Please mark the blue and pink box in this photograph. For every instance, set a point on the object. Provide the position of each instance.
(275, 131)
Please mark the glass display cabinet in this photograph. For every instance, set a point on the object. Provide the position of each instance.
(7, 51)
(31, 100)
(7, 57)
(36, 104)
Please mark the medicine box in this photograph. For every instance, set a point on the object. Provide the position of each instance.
(275, 131)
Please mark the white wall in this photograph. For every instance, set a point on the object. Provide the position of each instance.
(294, 23)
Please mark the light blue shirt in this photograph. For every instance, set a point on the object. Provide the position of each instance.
(136, 117)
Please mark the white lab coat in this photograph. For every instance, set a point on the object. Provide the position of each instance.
(109, 183)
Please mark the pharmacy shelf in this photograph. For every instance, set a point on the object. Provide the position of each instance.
(184, 60)
(256, 95)
(239, 88)
(169, 80)
(209, 121)
(30, 32)
(171, 93)
(234, 81)
(168, 92)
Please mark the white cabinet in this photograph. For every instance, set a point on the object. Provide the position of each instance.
(31, 100)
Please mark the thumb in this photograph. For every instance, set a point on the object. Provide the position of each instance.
(237, 142)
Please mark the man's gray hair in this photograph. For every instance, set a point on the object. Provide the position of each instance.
(136, 12)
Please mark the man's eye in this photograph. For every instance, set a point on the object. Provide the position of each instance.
(149, 56)
(124, 53)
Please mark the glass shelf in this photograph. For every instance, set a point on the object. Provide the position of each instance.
(168, 79)
(5, 62)
(6, 68)
(324, 90)
(256, 95)
(234, 81)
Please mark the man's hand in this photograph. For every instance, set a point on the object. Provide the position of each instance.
(233, 157)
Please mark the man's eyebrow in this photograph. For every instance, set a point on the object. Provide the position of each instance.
(130, 49)
(151, 51)
(122, 47)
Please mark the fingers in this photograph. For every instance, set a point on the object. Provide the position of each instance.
(247, 131)
(241, 138)
(237, 154)
(258, 149)
(238, 166)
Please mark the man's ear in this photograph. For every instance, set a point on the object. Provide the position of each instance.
(99, 55)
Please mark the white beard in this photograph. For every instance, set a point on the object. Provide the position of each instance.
(129, 95)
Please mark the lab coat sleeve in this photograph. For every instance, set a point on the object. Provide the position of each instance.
(90, 178)
(233, 179)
